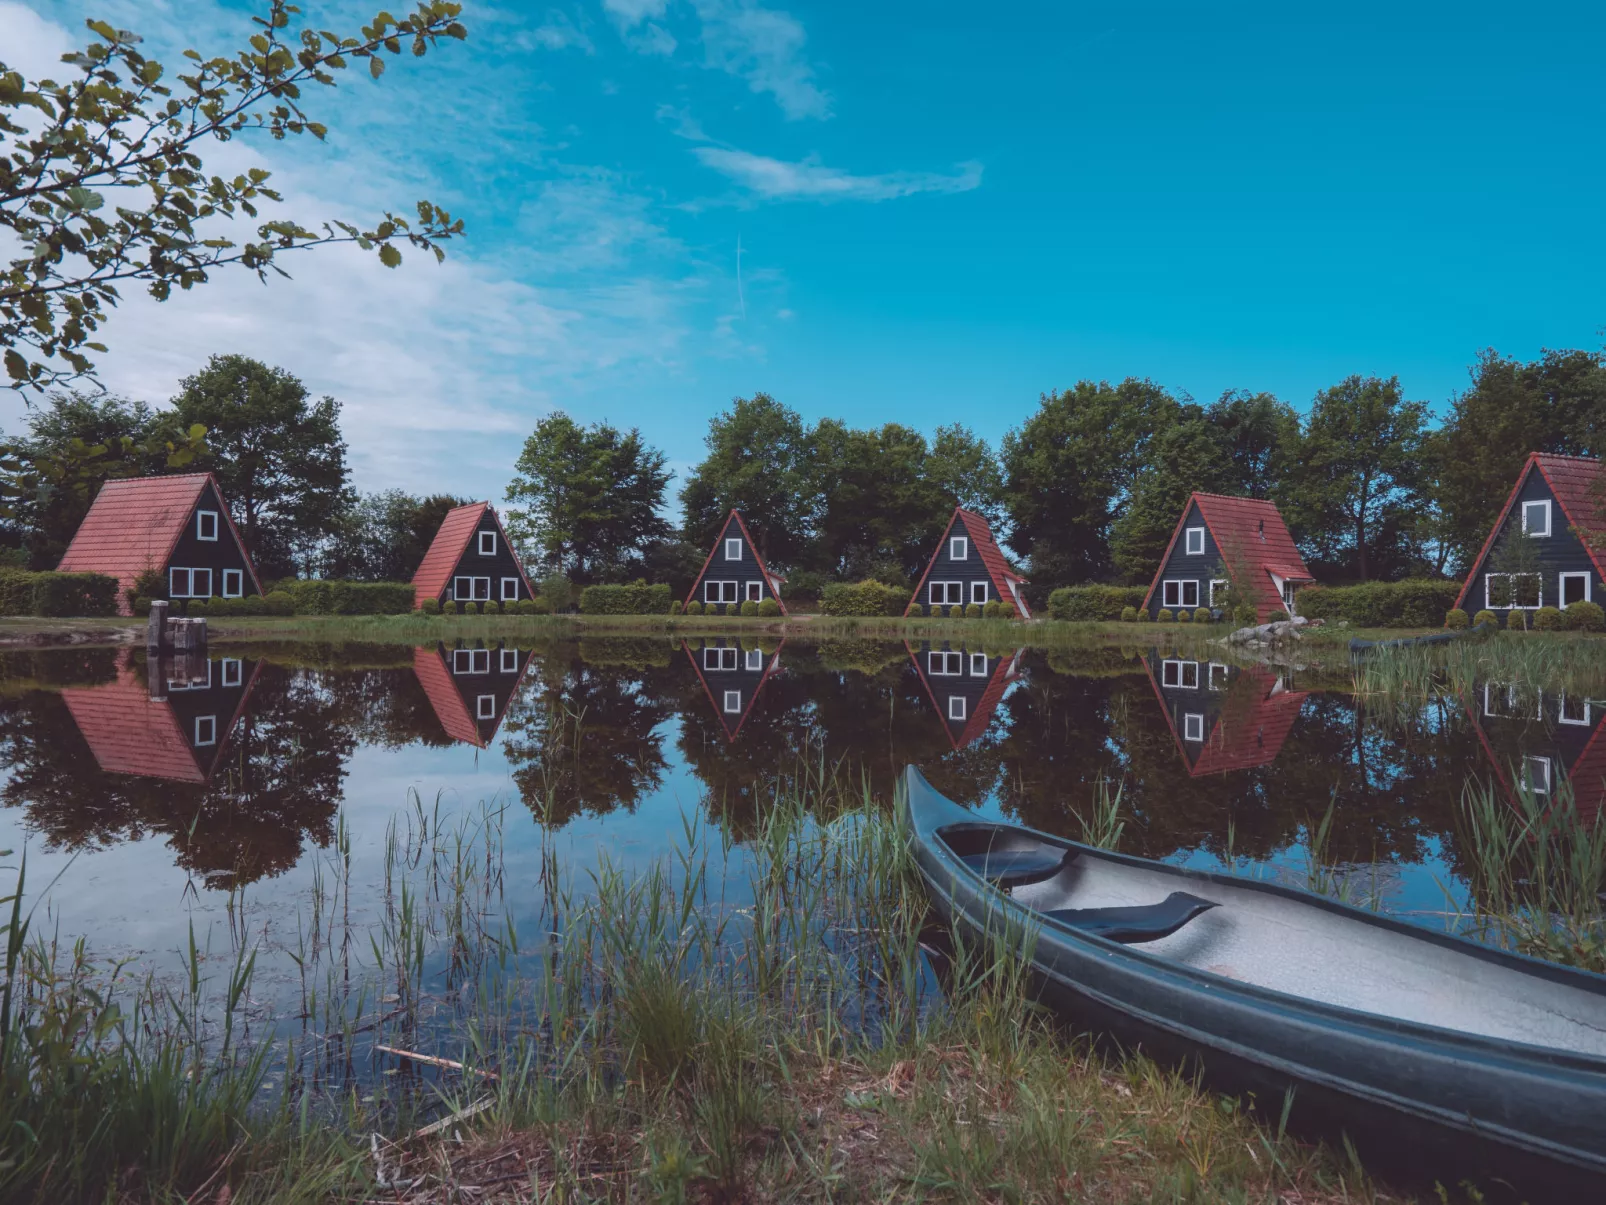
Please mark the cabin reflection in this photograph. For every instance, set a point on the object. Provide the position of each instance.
(171, 722)
(1537, 739)
(470, 686)
(965, 686)
(1223, 717)
(733, 672)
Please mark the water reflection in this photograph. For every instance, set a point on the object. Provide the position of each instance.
(1223, 717)
(1535, 738)
(965, 685)
(470, 686)
(733, 672)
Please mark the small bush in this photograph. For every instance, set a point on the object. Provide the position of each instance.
(1483, 617)
(749, 609)
(1129, 614)
(1456, 619)
(329, 596)
(992, 609)
(221, 606)
(694, 607)
(1087, 604)
(251, 604)
(804, 586)
(1144, 616)
(1184, 616)
(430, 606)
(1245, 615)
(868, 597)
(1517, 620)
(675, 607)
(1547, 619)
(1277, 617)
(1202, 615)
(196, 608)
(1165, 615)
(148, 583)
(558, 592)
(637, 598)
(1585, 617)
(534, 606)
(278, 602)
(449, 607)
(142, 605)
(973, 611)
(768, 608)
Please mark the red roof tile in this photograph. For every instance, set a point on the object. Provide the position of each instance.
(769, 577)
(1254, 543)
(441, 690)
(446, 549)
(1573, 480)
(1251, 730)
(992, 557)
(134, 524)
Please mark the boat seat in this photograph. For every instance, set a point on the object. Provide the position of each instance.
(1006, 868)
(1146, 922)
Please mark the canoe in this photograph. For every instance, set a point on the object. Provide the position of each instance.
(1357, 645)
(1465, 1060)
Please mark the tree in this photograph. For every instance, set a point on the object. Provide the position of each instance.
(1357, 472)
(279, 458)
(882, 514)
(757, 462)
(588, 498)
(1191, 454)
(964, 472)
(383, 537)
(119, 131)
(1259, 432)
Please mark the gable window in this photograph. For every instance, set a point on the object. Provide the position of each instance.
(946, 594)
(733, 702)
(978, 665)
(1574, 711)
(945, 664)
(958, 548)
(178, 583)
(1513, 591)
(485, 707)
(509, 661)
(487, 543)
(1218, 591)
(206, 525)
(755, 591)
(718, 658)
(471, 661)
(471, 589)
(510, 588)
(1536, 517)
(956, 707)
(1218, 676)
(206, 730)
(978, 593)
(755, 660)
(1288, 597)
(719, 592)
(233, 671)
(1179, 594)
(1193, 726)
(1193, 541)
(1536, 774)
(1574, 588)
(1181, 674)
(733, 550)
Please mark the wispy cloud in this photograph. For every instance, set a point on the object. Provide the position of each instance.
(764, 46)
(558, 32)
(776, 179)
(630, 13)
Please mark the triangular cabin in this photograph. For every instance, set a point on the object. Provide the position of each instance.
(964, 686)
(177, 526)
(1220, 542)
(471, 560)
(1557, 502)
(969, 567)
(1223, 717)
(1539, 737)
(470, 686)
(171, 722)
(732, 673)
(735, 572)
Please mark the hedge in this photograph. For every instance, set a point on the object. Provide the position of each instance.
(1087, 604)
(319, 596)
(637, 598)
(56, 595)
(1585, 617)
(863, 598)
(1410, 604)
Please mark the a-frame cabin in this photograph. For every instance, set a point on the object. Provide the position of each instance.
(1557, 501)
(969, 567)
(1223, 717)
(1221, 541)
(177, 526)
(735, 572)
(470, 686)
(732, 673)
(471, 560)
(1537, 738)
(964, 686)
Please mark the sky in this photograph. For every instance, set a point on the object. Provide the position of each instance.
(895, 212)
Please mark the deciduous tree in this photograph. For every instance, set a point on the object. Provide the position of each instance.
(758, 462)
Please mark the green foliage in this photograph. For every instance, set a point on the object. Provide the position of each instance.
(535, 606)
(1585, 616)
(1407, 604)
(750, 608)
(449, 607)
(768, 608)
(638, 598)
(694, 607)
(1517, 620)
(1087, 604)
(1483, 617)
(279, 602)
(471, 608)
(1548, 619)
(383, 538)
(1184, 616)
(1201, 615)
(112, 128)
(1456, 619)
(196, 607)
(316, 596)
(804, 585)
(1245, 615)
(57, 595)
(1277, 617)
(1144, 616)
(1164, 615)
(558, 592)
(868, 597)
(1129, 614)
(430, 606)
(141, 605)
(675, 607)
(994, 609)
(973, 611)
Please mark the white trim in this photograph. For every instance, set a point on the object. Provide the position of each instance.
(239, 583)
(1218, 581)
(945, 663)
(476, 661)
(714, 592)
(953, 594)
(1561, 586)
(200, 527)
(1533, 531)
(1181, 594)
(733, 548)
(978, 665)
(484, 707)
(978, 593)
(1563, 718)
(233, 671)
(1193, 726)
(754, 591)
(1179, 675)
(733, 702)
(211, 730)
(715, 658)
(1188, 534)
(508, 661)
(510, 589)
(1539, 784)
(754, 661)
(958, 548)
(1488, 605)
(172, 582)
(177, 684)
(479, 588)
(1225, 675)
(957, 707)
(487, 537)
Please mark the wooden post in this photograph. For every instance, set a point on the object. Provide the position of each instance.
(156, 626)
(155, 675)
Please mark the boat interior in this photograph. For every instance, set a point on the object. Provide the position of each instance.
(1284, 944)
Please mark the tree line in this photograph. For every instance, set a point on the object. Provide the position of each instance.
(1087, 488)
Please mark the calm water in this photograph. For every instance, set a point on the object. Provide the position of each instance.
(159, 797)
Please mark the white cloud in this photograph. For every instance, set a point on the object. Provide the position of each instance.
(653, 39)
(777, 179)
(33, 45)
(558, 32)
(630, 13)
(765, 47)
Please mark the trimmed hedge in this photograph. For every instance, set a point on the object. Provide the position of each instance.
(57, 595)
(637, 598)
(1483, 617)
(1419, 603)
(863, 598)
(1086, 604)
(318, 596)
(1585, 617)
(1201, 615)
(1164, 615)
(768, 608)
(1456, 619)
(1547, 619)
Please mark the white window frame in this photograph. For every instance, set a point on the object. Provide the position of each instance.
(957, 707)
(1181, 594)
(1218, 670)
(754, 661)
(508, 661)
(479, 588)
(1561, 586)
(945, 663)
(1193, 726)
(733, 549)
(211, 730)
(952, 594)
(714, 592)
(958, 548)
(487, 543)
(1532, 762)
(174, 685)
(1530, 531)
(173, 579)
(200, 526)
(754, 591)
(1488, 580)
(715, 658)
(978, 665)
(733, 702)
(474, 661)
(238, 580)
(978, 592)
(195, 577)
(1188, 534)
(1175, 674)
(233, 671)
(1578, 722)
(484, 707)
(1224, 583)
(510, 589)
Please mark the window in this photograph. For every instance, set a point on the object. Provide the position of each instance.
(205, 730)
(508, 662)
(471, 661)
(1218, 676)
(197, 683)
(755, 660)
(485, 707)
(978, 665)
(717, 658)
(733, 702)
(1288, 597)
(1193, 541)
(233, 671)
(1518, 591)
(178, 583)
(1512, 702)
(1179, 594)
(719, 592)
(471, 589)
(755, 591)
(733, 550)
(956, 707)
(510, 588)
(487, 543)
(200, 583)
(233, 583)
(1193, 726)
(945, 664)
(1574, 588)
(978, 593)
(1574, 711)
(1536, 775)
(958, 548)
(1181, 674)
(1218, 591)
(1536, 518)
(206, 525)
(946, 594)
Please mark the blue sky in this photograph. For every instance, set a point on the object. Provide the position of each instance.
(942, 211)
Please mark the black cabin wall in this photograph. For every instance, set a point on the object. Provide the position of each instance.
(741, 571)
(1181, 566)
(1560, 552)
(496, 567)
(968, 571)
(225, 552)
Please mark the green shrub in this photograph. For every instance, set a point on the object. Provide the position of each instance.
(558, 592)
(1517, 620)
(279, 602)
(430, 606)
(57, 595)
(868, 597)
(251, 604)
(1129, 614)
(142, 605)
(1418, 603)
(1455, 619)
(675, 607)
(804, 586)
(1586, 617)
(637, 598)
(1547, 619)
(1277, 617)
(197, 608)
(327, 596)
(1144, 616)
(449, 607)
(694, 607)
(992, 609)
(148, 583)
(769, 609)
(1184, 616)
(1086, 604)
(1483, 617)
(1202, 615)
(973, 611)
(1245, 615)
(221, 606)
(749, 608)
(1164, 616)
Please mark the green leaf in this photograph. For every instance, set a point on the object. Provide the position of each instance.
(389, 256)
(376, 66)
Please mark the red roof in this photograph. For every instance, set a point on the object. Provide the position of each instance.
(769, 577)
(992, 558)
(1587, 773)
(135, 523)
(441, 690)
(1244, 736)
(1254, 543)
(448, 546)
(982, 714)
(1573, 480)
